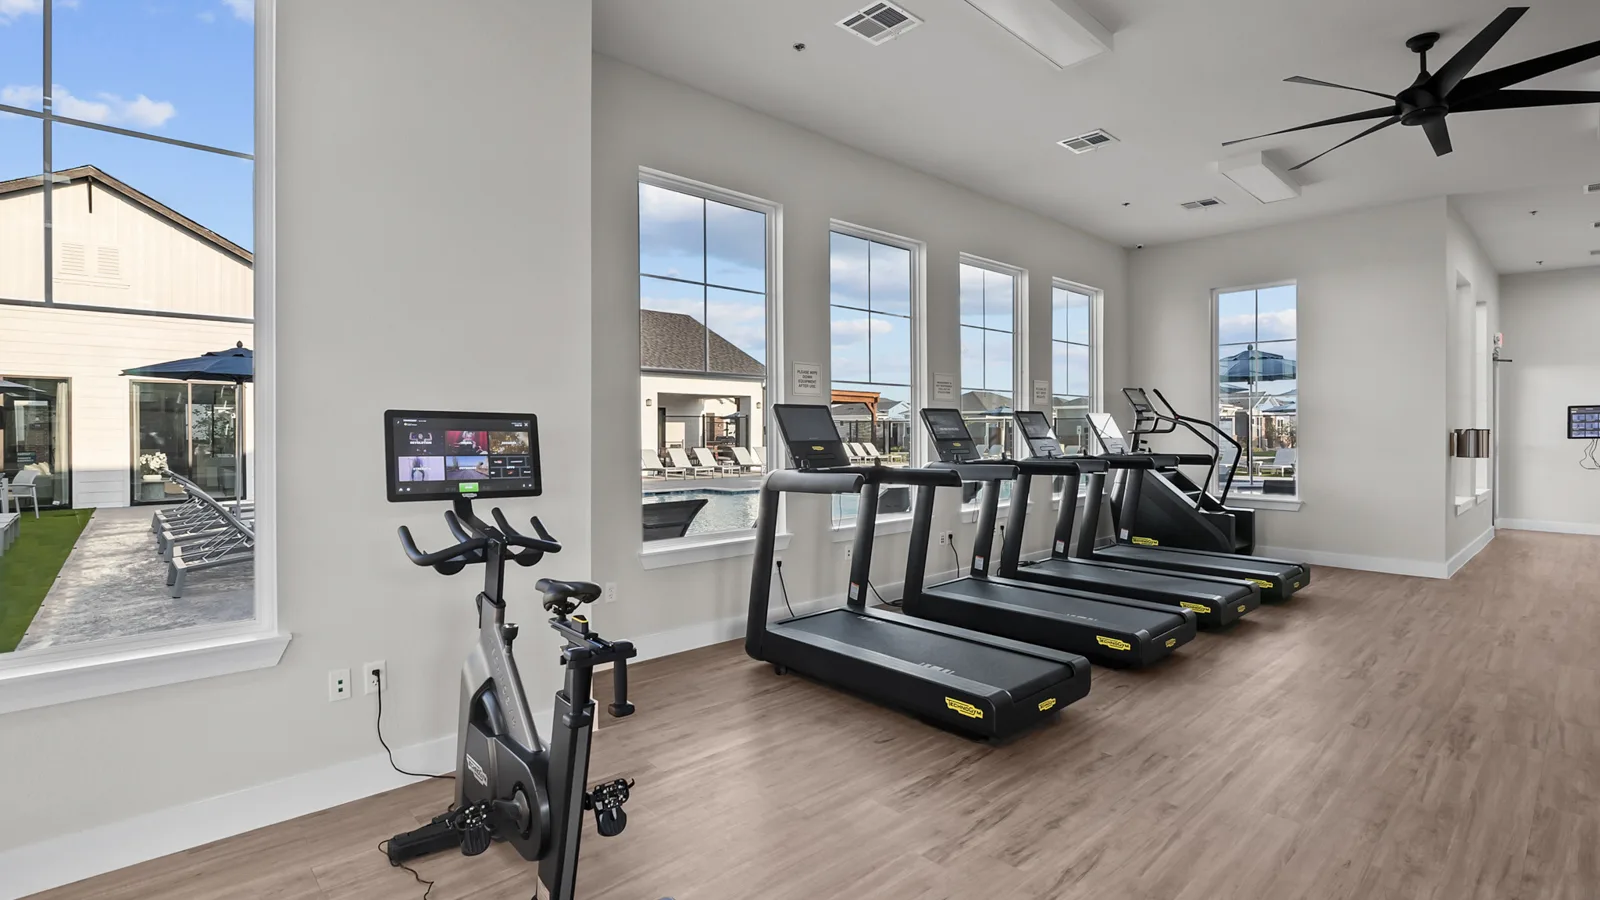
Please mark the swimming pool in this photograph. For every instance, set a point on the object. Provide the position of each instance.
(724, 510)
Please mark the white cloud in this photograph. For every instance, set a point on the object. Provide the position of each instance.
(11, 9)
(105, 109)
(207, 17)
(243, 10)
(1270, 326)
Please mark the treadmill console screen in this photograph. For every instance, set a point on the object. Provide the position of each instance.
(811, 435)
(1583, 422)
(1138, 399)
(951, 438)
(1035, 428)
(442, 455)
(1107, 433)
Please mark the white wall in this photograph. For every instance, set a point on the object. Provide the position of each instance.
(644, 120)
(1550, 320)
(1465, 259)
(379, 102)
(1371, 328)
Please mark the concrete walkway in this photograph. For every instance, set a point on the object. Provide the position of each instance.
(114, 584)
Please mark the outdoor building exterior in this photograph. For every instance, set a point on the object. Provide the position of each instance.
(688, 403)
(134, 282)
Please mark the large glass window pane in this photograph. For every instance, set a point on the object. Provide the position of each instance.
(738, 324)
(1236, 317)
(1077, 323)
(972, 340)
(672, 332)
(891, 279)
(21, 59)
(22, 209)
(1275, 313)
(1077, 383)
(736, 247)
(971, 295)
(34, 434)
(849, 339)
(161, 438)
(891, 349)
(997, 372)
(672, 237)
(848, 264)
(1258, 386)
(214, 416)
(999, 300)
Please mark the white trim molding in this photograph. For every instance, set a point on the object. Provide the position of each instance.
(1468, 552)
(63, 678)
(1388, 565)
(897, 524)
(1260, 501)
(1549, 526)
(688, 551)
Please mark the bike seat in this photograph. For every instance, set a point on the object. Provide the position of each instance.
(580, 591)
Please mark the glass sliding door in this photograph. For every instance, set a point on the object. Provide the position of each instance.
(214, 438)
(33, 432)
(195, 426)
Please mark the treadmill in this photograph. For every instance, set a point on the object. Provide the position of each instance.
(1214, 601)
(1112, 631)
(1279, 579)
(975, 683)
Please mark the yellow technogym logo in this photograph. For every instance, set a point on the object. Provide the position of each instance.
(1112, 642)
(1297, 584)
(1197, 607)
(1264, 585)
(1241, 607)
(1146, 542)
(1047, 705)
(964, 708)
(817, 447)
(1172, 642)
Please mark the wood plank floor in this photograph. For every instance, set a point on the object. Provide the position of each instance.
(1375, 737)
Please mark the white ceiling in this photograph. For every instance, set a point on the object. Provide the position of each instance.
(1561, 236)
(959, 98)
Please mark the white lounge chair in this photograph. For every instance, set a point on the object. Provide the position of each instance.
(708, 460)
(1283, 463)
(747, 460)
(854, 449)
(650, 465)
(680, 460)
(873, 453)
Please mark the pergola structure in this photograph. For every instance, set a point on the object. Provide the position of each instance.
(869, 399)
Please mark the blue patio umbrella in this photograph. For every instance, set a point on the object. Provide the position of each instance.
(17, 390)
(1256, 365)
(236, 364)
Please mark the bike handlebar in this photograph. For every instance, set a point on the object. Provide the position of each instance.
(474, 538)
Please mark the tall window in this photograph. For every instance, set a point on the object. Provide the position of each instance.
(872, 310)
(989, 300)
(703, 356)
(1258, 400)
(1073, 392)
(127, 168)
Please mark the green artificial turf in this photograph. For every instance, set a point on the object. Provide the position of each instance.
(30, 566)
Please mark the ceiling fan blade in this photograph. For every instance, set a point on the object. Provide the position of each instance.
(1301, 79)
(1378, 127)
(1439, 136)
(1481, 84)
(1451, 73)
(1525, 100)
(1353, 117)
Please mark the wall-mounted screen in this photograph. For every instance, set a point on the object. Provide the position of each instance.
(1583, 423)
(441, 455)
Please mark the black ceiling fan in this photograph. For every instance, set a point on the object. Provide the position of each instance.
(1434, 96)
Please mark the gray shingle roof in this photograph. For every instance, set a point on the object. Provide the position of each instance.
(677, 341)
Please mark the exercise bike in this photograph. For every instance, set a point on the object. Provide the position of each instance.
(510, 785)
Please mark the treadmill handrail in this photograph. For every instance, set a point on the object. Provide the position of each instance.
(1216, 463)
(988, 470)
(798, 481)
(905, 475)
(1127, 460)
(1068, 465)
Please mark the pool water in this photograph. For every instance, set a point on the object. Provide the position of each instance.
(724, 510)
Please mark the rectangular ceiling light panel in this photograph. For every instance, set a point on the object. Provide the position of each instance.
(1260, 177)
(1058, 30)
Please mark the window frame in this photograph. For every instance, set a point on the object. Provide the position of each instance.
(1287, 503)
(919, 393)
(1096, 374)
(692, 549)
(48, 676)
(1021, 396)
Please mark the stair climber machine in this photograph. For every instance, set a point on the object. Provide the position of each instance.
(1110, 630)
(511, 786)
(1174, 509)
(1214, 601)
(980, 685)
(1278, 579)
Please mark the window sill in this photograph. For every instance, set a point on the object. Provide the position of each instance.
(688, 551)
(1483, 496)
(969, 514)
(64, 677)
(1281, 504)
(899, 524)
(1465, 504)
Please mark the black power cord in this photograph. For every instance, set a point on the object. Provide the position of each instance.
(383, 848)
(785, 588)
(375, 673)
(1588, 461)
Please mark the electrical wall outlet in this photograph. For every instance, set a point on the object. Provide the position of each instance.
(338, 684)
(611, 592)
(942, 539)
(372, 682)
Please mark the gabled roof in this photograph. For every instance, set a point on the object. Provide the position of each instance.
(670, 340)
(95, 175)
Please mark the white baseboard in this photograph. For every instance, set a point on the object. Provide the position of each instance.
(1468, 552)
(62, 860)
(1388, 565)
(1544, 525)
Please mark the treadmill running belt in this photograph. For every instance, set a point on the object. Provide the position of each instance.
(1017, 673)
(1129, 618)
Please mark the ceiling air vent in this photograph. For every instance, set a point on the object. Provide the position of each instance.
(1592, 188)
(879, 23)
(1207, 203)
(1084, 143)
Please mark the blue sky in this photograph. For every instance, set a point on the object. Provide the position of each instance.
(176, 68)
